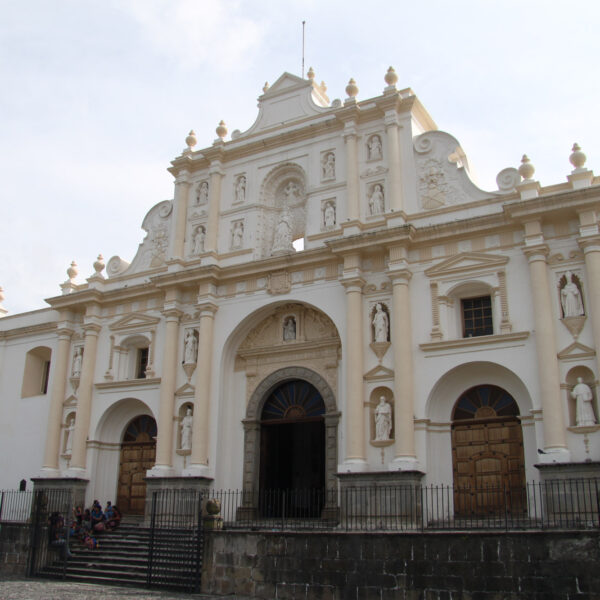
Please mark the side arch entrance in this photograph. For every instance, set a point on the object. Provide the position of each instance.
(138, 454)
(487, 453)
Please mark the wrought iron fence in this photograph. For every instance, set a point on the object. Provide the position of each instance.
(561, 504)
(176, 538)
(15, 506)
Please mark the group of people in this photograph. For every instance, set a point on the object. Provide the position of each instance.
(88, 523)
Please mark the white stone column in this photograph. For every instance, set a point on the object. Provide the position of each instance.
(555, 445)
(199, 464)
(352, 179)
(214, 206)
(57, 397)
(355, 459)
(394, 191)
(180, 204)
(84, 391)
(168, 381)
(591, 249)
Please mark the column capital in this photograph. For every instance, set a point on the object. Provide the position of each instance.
(206, 309)
(92, 327)
(216, 168)
(172, 313)
(182, 177)
(64, 332)
(391, 119)
(399, 276)
(250, 424)
(589, 243)
(536, 253)
(350, 129)
(352, 281)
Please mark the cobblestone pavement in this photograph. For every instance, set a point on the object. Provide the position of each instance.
(39, 589)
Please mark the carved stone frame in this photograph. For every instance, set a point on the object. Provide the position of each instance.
(252, 428)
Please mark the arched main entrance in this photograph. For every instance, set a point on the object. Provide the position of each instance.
(487, 453)
(138, 452)
(292, 453)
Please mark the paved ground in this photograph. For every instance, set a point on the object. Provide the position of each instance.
(41, 589)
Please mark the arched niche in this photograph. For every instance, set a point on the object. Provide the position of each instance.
(587, 377)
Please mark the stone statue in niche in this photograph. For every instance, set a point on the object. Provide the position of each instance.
(375, 149)
(584, 411)
(283, 233)
(329, 166)
(237, 234)
(190, 350)
(77, 361)
(202, 197)
(383, 420)
(69, 435)
(289, 329)
(240, 189)
(381, 324)
(329, 215)
(376, 203)
(198, 240)
(186, 430)
(570, 297)
(291, 192)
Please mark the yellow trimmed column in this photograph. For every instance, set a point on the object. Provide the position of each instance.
(352, 180)
(355, 459)
(555, 444)
(394, 191)
(591, 250)
(202, 394)
(57, 397)
(164, 439)
(180, 204)
(214, 206)
(84, 391)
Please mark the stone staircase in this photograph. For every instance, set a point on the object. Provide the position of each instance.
(122, 558)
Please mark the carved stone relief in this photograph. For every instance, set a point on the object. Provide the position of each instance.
(328, 220)
(374, 148)
(327, 166)
(202, 193)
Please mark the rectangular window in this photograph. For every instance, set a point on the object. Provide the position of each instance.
(141, 363)
(477, 316)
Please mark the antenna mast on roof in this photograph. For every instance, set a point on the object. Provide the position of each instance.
(303, 22)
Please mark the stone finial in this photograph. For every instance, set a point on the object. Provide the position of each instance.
(221, 130)
(390, 77)
(266, 86)
(323, 86)
(191, 139)
(352, 89)
(311, 73)
(72, 271)
(577, 158)
(99, 266)
(526, 169)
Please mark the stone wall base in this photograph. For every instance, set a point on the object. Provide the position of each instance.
(155, 484)
(14, 549)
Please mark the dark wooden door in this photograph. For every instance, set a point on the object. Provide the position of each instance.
(488, 463)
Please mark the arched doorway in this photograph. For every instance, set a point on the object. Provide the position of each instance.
(487, 453)
(138, 453)
(292, 451)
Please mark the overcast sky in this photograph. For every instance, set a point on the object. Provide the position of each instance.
(97, 97)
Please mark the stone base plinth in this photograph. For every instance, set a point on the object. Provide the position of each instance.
(61, 487)
(381, 497)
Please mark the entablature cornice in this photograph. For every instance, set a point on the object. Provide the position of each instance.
(569, 203)
(76, 301)
(384, 238)
(19, 332)
(128, 384)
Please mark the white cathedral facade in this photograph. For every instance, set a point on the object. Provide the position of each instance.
(426, 330)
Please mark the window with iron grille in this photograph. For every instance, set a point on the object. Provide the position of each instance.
(477, 316)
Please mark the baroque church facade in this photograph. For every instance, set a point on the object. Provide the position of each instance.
(328, 300)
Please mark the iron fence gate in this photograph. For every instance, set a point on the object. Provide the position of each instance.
(51, 516)
(176, 540)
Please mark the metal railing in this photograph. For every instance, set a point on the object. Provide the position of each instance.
(15, 506)
(561, 504)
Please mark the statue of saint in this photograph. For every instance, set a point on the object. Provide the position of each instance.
(376, 203)
(191, 348)
(584, 411)
(380, 324)
(77, 360)
(329, 166)
(329, 215)
(289, 329)
(186, 430)
(570, 298)
(240, 189)
(198, 240)
(203, 193)
(283, 233)
(374, 147)
(237, 235)
(69, 436)
(290, 191)
(383, 420)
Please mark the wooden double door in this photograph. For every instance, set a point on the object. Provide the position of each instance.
(487, 456)
(138, 455)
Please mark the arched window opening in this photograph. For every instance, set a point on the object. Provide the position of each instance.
(37, 372)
